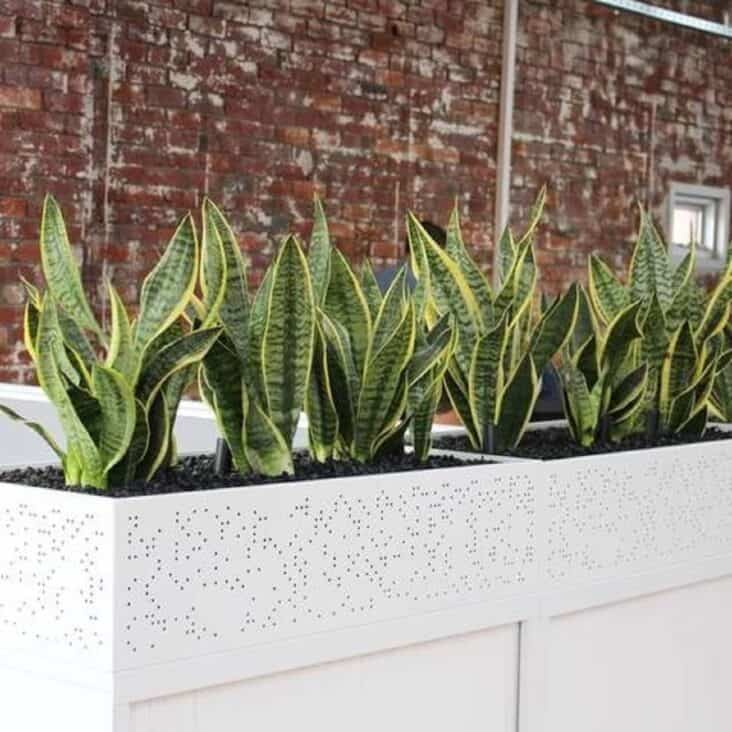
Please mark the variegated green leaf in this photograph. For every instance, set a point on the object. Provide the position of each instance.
(254, 374)
(125, 471)
(344, 380)
(213, 266)
(622, 330)
(650, 268)
(525, 278)
(391, 311)
(346, 303)
(39, 429)
(684, 271)
(586, 324)
(77, 345)
(450, 293)
(581, 404)
(381, 380)
(287, 342)
(117, 404)
(629, 390)
(717, 312)
(182, 352)
(267, 451)
(60, 268)
(678, 368)
(457, 392)
(31, 315)
(608, 295)
(517, 401)
(430, 349)
(159, 436)
(723, 394)
(655, 339)
(455, 248)
(393, 418)
(506, 255)
(319, 253)
(80, 444)
(222, 381)
(234, 302)
(485, 379)
(319, 404)
(122, 355)
(422, 407)
(695, 425)
(371, 290)
(587, 360)
(535, 215)
(167, 290)
(555, 328)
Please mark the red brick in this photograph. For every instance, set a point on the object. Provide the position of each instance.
(15, 207)
(11, 96)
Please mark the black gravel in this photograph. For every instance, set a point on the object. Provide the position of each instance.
(196, 473)
(554, 443)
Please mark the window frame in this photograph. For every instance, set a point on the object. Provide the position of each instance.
(714, 203)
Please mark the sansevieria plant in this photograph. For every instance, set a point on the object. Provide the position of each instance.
(681, 327)
(377, 371)
(255, 376)
(721, 400)
(503, 343)
(603, 385)
(116, 392)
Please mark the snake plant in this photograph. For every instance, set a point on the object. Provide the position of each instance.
(603, 386)
(377, 371)
(116, 393)
(503, 344)
(256, 374)
(681, 342)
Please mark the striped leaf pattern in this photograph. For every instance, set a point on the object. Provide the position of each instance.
(60, 269)
(287, 341)
(167, 290)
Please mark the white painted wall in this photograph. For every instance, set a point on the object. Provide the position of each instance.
(461, 684)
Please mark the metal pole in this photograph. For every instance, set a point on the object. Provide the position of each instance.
(505, 125)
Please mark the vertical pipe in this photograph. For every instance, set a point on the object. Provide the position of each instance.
(505, 124)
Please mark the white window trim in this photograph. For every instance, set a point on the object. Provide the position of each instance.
(705, 263)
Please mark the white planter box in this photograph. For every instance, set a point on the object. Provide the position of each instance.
(138, 598)
(390, 602)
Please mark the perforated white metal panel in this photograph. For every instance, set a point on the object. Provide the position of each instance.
(613, 515)
(215, 571)
(56, 587)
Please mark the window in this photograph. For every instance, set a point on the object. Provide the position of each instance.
(700, 214)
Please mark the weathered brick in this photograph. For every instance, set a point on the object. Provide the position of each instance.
(23, 98)
(380, 105)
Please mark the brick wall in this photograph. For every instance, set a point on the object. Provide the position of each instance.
(610, 108)
(130, 110)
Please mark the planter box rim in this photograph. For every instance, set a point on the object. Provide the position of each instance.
(480, 461)
(538, 426)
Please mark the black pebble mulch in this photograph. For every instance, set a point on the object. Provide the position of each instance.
(196, 473)
(554, 443)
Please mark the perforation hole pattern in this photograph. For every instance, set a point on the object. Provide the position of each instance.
(55, 591)
(606, 517)
(238, 570)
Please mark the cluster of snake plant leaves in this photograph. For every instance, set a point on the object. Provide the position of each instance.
(652, 354)
(116, 392)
